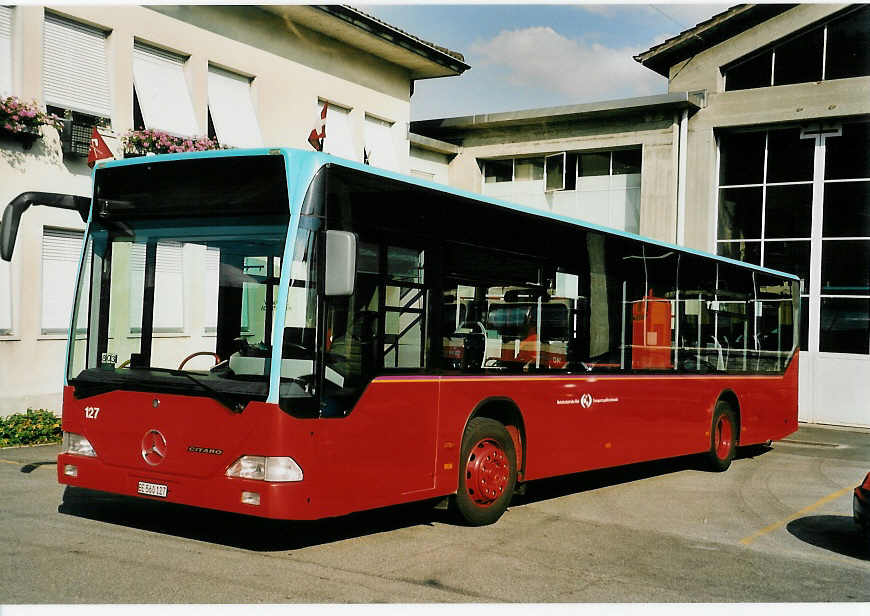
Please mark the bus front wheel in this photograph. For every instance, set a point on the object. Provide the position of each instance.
(487, 473)
(723, 437)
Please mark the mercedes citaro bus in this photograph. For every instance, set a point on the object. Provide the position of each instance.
(291, 335)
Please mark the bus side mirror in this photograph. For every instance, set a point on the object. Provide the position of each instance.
(12, 214)
(8, 231)
(340, 263)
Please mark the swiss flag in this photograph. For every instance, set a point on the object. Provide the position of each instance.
(318, 133)
(98, 150)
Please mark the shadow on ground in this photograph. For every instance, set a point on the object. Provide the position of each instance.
(258, 534)
(835, 533)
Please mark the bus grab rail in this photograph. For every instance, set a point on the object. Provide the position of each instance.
(20, 204)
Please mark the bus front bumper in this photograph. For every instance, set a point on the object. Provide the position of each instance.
(276, 500)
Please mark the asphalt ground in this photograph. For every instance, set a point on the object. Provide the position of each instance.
(776, 527)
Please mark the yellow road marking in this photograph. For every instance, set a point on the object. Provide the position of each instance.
(783, 522)
(10, 462)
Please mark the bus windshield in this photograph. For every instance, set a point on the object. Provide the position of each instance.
(182, 303)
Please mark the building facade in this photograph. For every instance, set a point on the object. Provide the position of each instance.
(246, 76)
(765, 161)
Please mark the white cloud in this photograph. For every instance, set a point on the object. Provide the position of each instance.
(540, 57)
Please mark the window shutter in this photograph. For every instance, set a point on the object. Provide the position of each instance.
(379, 144)
(74, 66)
(212, 282)
(168, 287)
(232, 109)
(60, 255)
(162, 90)
(339, 136)
(5, 51)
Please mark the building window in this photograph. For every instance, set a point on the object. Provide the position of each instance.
(769, 189)
(5, 51)
(339, 139)
(168, 287)
(160, 91)
(60, 259)
(231, 109)
(598, 187)
(380, 148)
(836, 49)
(75, 69)
(5, 298)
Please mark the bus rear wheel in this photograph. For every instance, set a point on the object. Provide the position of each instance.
(723, 437)
(487, 473)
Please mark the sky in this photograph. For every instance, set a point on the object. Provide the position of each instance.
(526, 56)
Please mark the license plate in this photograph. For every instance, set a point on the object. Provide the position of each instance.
(153, 489)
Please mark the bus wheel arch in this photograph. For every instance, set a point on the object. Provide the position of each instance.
(507, 413)
(724, 432)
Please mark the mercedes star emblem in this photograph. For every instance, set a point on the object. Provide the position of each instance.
(153, 447)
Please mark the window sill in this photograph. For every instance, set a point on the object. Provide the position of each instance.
(10, 338)
(161, 335)
(51, 337)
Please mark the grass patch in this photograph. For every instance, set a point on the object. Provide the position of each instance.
(31, 428)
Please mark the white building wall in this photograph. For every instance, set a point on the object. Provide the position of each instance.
(290, 69)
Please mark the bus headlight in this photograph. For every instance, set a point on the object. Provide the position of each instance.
(77, 444)
(266, 468)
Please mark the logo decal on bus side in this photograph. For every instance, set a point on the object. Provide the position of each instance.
(586, 401)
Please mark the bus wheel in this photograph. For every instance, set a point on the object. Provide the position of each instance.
(723, 438)
(488, 473)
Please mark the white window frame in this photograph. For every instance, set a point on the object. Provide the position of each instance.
(168, 277)
(7, 301)
(547, 158)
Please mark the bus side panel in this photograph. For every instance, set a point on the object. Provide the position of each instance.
(574, 424)
(383, 452)
(769, 407)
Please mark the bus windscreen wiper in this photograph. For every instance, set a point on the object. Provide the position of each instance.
(232, 405)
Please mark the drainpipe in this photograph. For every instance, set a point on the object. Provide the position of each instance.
(681, 179)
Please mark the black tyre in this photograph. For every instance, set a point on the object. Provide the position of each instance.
(487, 473)
(723, 438)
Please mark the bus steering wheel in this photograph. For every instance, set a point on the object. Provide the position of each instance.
(217, 358)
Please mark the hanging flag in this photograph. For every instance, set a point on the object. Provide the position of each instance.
(97, 150)
(318, 133)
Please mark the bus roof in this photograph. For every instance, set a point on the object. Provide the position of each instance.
(319, 159)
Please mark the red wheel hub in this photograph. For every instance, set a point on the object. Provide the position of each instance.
(487, 472)
(724, 435)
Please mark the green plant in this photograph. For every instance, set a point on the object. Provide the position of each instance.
(30, 428)
(150, 141)
(17, 116)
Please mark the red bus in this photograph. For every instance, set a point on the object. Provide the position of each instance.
(290, 335)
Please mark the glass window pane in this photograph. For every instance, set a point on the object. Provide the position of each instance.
(754, 73)
(789, 257)
(594, 163)
(498, 171)
(789, 158)
(788, 211)
(848, 49)
(529, 169)
(742, 158)
(800, 59)
(626, 162)
(848, 157)
(750, 252)
(405, 264)
(555, 176)
(739, 213)
(845, 325)
(847, 210)
(846, 267)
